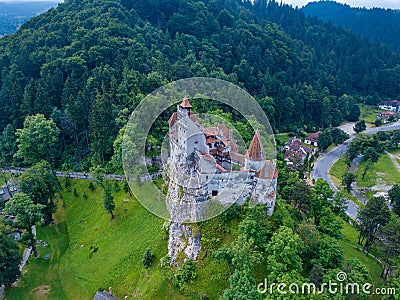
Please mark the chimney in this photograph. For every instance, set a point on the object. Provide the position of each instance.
(110, 290)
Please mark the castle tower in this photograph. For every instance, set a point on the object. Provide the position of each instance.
(183, 110)
(255, 155)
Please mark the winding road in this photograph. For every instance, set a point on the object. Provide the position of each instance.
(324, 163)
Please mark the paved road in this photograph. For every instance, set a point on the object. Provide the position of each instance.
(326, 160)
(84, 176)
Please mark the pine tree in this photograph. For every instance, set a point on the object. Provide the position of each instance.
(10, 258)
(108, 200)
(148, 258)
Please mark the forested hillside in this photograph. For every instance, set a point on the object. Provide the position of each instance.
(87, 64)
(378, 24)
(14, 14)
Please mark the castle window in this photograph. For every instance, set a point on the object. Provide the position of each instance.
(214, 193)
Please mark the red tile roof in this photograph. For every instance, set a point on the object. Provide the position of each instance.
(211, 140)
(221, 168)
(388, 113)
(267, 171)
(256, 150)
(237, 156)
(185, 103)
(193, 117)
(211, 131)
(173, 119)
(291, 153)
(313, 137)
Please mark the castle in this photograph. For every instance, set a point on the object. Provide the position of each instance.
(205, 161)
(207, 173)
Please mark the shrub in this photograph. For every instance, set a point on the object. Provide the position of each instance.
(165, 262)
(148, 258)
(116, 187)
(185, 275)
(91, 186)
(378, 122)
(67, 183)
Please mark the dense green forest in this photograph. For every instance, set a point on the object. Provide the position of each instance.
(86, 65)
(378, 24)
(14, 14)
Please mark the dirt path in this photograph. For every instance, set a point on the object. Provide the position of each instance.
(41, 292)
(394, 160)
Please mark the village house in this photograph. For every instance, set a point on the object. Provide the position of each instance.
(387, 116)
(295, 151)
(8, 190)
(390, 105)
(312, 139)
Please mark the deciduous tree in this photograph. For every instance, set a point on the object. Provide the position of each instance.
(360, 126)
(347, 179)
(40, 184)
(26, 215)
(36, 139)
(242, 286)
(285, 248)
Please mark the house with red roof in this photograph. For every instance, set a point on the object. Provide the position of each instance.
(387, 116)
(393, 105)
(312, 139)
(296, 151)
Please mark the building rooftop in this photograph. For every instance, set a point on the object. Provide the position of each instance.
(313, 137)
(185, 103)
(104, 296)
(256, 150)
(393, 103)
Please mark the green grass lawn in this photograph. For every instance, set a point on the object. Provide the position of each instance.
(368, 113)
(382, 172)
(75, 272)
(337, 171)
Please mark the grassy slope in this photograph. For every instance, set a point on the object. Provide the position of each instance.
(349, 242)
(368, 113)
(383, 171)
(337, 171)
(72, 274)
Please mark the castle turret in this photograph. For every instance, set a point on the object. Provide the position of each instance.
(184, 108)
(255, 155)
